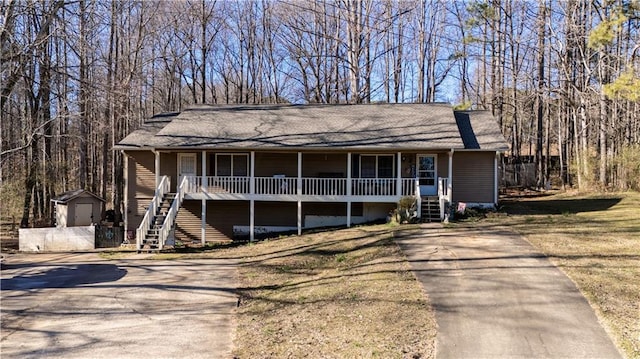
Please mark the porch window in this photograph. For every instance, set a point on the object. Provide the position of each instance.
(376, 166)
(233, 164)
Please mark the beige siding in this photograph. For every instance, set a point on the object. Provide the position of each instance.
(221, 217)
(269, 164)
(169, 167)
(443, 165)
(324, 165)
(473, 177)
(326, 209)
(276, 214)
(142, 180)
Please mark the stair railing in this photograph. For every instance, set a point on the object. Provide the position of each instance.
(152, 211)
(418, 197)
(170, 219)
(443, 194)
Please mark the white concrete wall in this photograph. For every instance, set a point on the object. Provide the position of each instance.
(56, 239)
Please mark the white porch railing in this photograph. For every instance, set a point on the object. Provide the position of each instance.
(418, 196)
(163, 188)
(374, 186)
(276, 185)
(224, 184)
(408, 187)
(170, 219)
(310, 186)
(444, 195)
(324, 186)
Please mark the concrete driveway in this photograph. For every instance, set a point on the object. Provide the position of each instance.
(80, 306)
(495, 296)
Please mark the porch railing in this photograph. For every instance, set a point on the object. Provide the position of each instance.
(276, 185)
(324, 186)
(444, 195)
(163, 187)
(310, 186)
(223, 184)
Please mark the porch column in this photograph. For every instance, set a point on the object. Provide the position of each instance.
(299, 192)
(203, 173)
(399, 175)
(450, 174)
(348, 189)
(252, 192)
(495, 179)
(203, 224)
(157, 167)
(125, 214)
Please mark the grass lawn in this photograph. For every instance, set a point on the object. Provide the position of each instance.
(595, 240)
(341, 294)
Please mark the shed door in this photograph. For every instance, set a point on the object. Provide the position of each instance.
(83, 214)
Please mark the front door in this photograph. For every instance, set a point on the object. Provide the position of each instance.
(186, 166)
(427, 169)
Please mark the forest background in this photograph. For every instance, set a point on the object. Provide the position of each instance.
(562, 78)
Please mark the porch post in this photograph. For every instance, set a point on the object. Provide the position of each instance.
(299, 192)
(157, 167)
(203, 224)
(252, 192)
(125, 214)
(495, 179)
(203, 173)
(348, 189)
(450, 174)
(399, 175)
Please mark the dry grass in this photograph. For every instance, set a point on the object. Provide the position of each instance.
(595, 240)
(342, 294)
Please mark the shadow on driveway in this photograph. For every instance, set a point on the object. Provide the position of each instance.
(65, 277)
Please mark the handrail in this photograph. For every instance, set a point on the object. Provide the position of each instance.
(169, 220)
(163, 187)
(443, 194)
(418, 197)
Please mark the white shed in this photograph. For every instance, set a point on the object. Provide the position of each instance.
(78, 208)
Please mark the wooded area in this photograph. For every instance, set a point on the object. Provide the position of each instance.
(561, 76)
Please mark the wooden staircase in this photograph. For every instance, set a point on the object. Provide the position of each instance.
(152, 236)
(430, 209)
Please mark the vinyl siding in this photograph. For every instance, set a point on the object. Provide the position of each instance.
(269, 164)
(473, 177)
(324, 165)
(221, 217)
(276, 214)
(169, 167)
(143, 179)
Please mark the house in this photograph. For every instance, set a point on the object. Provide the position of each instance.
(212, 173)
(77, 208)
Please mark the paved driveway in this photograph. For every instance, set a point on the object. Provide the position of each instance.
(495, 296)
(80, 306)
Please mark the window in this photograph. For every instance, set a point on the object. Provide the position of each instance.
(376, 166)
(236, 165)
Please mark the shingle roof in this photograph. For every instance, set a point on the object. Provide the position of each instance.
(379, 126)
(69, 195)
